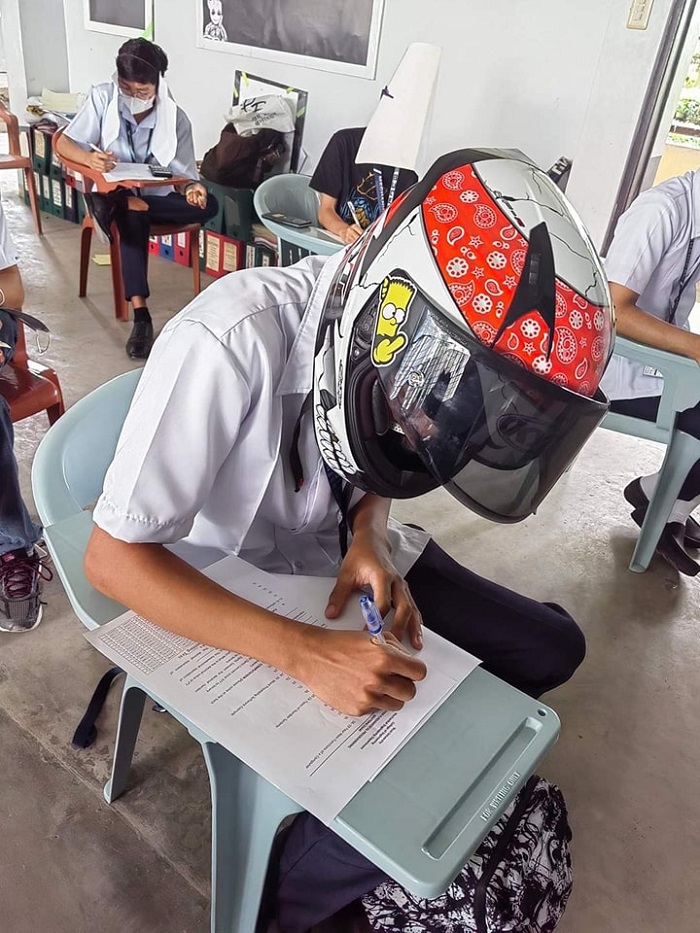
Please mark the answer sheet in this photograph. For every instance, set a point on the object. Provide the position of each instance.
(316, 755)
(130, 171)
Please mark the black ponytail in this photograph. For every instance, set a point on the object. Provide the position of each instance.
(141, 61)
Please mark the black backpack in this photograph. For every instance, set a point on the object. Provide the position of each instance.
(242, 161)
(517, 881)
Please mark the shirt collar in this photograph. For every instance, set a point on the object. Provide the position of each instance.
(297, 377)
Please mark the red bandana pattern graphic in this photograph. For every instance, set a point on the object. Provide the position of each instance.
(481, 255)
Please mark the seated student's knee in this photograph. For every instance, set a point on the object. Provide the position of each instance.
(563, 651)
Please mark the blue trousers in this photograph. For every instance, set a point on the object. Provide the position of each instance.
(17, 530)
(135, 228)
(533, 646)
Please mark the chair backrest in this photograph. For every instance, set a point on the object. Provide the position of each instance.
(287, 194)
(12, 124)
(681, 390)
(72, 459)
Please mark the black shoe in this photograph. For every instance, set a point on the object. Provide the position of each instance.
(139, 344)
(637, 499)
(102, 208)
(670, 546)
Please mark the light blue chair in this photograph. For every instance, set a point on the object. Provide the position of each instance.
(681, 390)
(419, 820)
(291, 195)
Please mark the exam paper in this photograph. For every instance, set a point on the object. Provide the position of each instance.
(316, 755)
(130, 171)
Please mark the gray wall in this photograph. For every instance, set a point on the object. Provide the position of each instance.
(44, 43)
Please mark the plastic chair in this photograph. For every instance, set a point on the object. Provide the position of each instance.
(455, 777)
(30, 387)
(16, 160)
(96, 179)
(291, 195)
(681, 390)
(67, 476)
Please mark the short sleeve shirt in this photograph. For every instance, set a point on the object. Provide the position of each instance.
(340, 177)
(134, 139)
(8, 252)
(204, 456)
(654, 239)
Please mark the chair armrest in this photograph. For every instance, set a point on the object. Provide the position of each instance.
(681, 376)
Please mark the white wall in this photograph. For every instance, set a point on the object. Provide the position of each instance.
(44, 43)
(547, 77)
(14, 57)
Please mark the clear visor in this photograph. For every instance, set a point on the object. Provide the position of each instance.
(496, 436)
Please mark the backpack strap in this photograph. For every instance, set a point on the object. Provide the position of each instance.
(497, 854)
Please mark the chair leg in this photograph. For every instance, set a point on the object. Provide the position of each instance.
(33, 199)
(246, 812)
(194, 256)
(85, 244)
(54, 412)
(121, 306)
(682, 452)
(130, 713)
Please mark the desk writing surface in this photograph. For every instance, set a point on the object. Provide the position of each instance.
(427, 811)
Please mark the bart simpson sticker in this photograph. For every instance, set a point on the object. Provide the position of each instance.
(389, 339)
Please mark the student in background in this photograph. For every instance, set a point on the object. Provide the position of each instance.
(653, 266)
(21, 568)
(133, 118)
(348, 191)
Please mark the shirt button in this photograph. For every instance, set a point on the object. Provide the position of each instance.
(297, 564)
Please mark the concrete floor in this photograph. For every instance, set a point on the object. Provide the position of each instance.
(627, 760)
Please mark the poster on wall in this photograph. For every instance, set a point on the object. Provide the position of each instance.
(131, 18)
(331, 35)
(248, 87)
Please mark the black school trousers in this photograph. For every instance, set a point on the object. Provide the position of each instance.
(688, 421)
(135, 228)
(533, 646)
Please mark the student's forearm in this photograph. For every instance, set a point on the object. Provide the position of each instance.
(637, 325)
(368, 519)
(329, 219)
(161, 587)
(69, 149)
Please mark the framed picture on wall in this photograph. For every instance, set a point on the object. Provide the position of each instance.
(331, 35)
(247, 86)
(131, 18)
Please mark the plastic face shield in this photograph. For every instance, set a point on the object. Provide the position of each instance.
(496, 436)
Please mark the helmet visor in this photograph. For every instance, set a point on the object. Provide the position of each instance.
(495, 435)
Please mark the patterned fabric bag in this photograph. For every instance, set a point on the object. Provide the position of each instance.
(517, 881)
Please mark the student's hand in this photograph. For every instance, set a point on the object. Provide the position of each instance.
(351, 233)
(368, 563)
(353, 674)
(196, 195)
(101, 161)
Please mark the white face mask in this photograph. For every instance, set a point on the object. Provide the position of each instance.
(136, 105)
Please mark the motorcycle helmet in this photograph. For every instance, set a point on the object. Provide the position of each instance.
(463, 339)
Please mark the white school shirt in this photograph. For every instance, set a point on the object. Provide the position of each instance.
(86, 127)
(647, 255)
(8, 252)
(203, 457)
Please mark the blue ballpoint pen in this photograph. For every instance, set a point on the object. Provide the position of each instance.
(373, 619)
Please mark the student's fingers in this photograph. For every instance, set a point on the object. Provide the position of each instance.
(400, 688)
(407, 617)
(339, 595)
(401, 663)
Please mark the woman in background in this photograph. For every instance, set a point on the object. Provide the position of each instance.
(133, 118)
